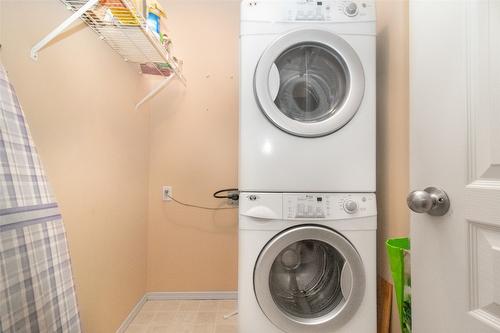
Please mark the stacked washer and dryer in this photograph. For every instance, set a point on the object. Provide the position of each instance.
(307, 216)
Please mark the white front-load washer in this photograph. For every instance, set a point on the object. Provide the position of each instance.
(307, 96)
(307, 263)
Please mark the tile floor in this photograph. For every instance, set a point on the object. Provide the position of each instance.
(185, 316)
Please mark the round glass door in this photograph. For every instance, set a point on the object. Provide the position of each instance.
(305, 279)
(309, 83)
(309, 276)
(313, 82)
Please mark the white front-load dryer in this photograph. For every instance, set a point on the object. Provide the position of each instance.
(307, 263)
(307, 96)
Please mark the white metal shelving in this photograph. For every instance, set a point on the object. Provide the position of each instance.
(126, 31)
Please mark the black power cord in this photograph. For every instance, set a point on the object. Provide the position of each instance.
(197, 206)
(232, 194)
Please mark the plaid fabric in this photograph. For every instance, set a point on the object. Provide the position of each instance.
(22, 180)
(36, 284)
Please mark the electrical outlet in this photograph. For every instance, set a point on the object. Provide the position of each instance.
(167, 193)
(232, 202)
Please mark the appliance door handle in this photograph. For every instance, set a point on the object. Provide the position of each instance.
(262, 213)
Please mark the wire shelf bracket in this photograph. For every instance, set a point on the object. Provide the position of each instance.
(130, 37)
(155, 91)
(54, 33)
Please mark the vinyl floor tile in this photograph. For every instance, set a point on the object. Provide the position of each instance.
(185, 316)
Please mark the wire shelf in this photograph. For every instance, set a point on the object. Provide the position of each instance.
(125, 30)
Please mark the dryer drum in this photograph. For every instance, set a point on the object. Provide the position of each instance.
(305, 279)
(309, 276)
(313, 82)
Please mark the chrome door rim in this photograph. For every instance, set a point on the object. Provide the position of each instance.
(334, 319)
(346, 111)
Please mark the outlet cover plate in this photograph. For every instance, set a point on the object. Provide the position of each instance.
(166, 192)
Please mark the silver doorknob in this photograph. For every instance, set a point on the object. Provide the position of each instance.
(433, 201)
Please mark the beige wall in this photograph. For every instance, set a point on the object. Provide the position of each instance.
(392, 123)
(79, 102)
(194, 148)
(202, 120)
(392, 127)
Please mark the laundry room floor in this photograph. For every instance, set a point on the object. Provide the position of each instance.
(185, 316)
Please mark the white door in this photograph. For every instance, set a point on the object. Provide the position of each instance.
(455, 145)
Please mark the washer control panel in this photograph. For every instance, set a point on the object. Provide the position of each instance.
(309, 10)
(328, 205)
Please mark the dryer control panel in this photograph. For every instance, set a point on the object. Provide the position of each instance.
(308, 10)
(300, 206)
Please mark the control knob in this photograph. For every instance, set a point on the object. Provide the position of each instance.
(351, 9)
(350, 206)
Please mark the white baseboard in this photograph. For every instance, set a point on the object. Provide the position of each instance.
(123, 327)
(159, 296)
(204, 295)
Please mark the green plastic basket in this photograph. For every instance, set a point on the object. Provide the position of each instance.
(398, 250)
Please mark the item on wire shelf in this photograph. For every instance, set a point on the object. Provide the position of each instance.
(141, 7)
(117, 12)
(112, 3)
(178, 63)
(155, 68)
(125, 16)
(166, 42)
(155, 13)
